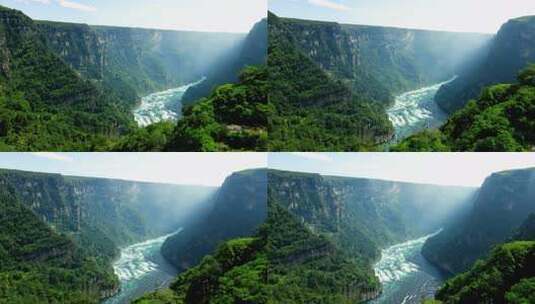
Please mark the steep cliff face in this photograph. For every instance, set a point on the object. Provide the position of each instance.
(510, 51)
(330, 47)
(405, 59)
(315, 111)
(391, 60)
(45, 104)
(362, 215)
(504, 202)
(239, 207)
(142, 60)
(526, 232)
(36, 260)
(123, 211)
(78, 45)
(250, 51)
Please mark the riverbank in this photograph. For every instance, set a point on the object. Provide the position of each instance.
(162, 106)
(141, 268)
(415, 111)
(406, 276)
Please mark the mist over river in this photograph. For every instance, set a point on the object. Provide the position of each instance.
(162, 106)
(415, 111)
(141, 268)
(406, 276)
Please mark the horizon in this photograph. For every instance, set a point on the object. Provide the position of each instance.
(441, 15)
(188, 169)
(212, 16)
(423, 168)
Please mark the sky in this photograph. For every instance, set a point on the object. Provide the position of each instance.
(484, 16)
(192, 15)
(459, 169)
(208, 169)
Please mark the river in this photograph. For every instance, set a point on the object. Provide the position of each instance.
(141, 268)
(406, 276)
(416, 111)
(162, 106)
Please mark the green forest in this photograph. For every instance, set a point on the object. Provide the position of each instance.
(502, 119)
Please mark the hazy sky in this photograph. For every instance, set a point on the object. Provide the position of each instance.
(196, 15)
(452, 15)
(465, 169)
(177, 168)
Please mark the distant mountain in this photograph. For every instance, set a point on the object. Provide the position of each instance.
(504, 202)
(510, 51)
(239, 208)
(69, 227)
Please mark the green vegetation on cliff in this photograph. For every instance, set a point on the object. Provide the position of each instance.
(39, 265)
(237, 209)
(44, 104)
(507, 276)
(312, 110)
(234, 117)
(283, 263)
(501, 119)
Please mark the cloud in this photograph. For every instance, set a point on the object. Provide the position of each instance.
(75, 5)
(314, 156)
(64, 3)
(329, 4)
(35, 1)
(54, 156)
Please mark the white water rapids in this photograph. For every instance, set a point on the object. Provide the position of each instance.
(405, 275)
(141, 268)
(417, 110)
(162, 106)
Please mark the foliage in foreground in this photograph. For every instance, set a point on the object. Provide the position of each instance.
(507, 276)
(502, 119)
(233, 117)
